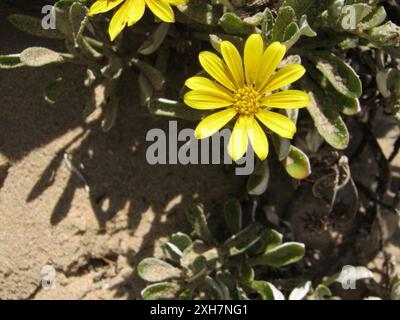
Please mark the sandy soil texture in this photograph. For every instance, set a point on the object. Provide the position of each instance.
(94, 238)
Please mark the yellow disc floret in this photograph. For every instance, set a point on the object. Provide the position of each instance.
(247, 101)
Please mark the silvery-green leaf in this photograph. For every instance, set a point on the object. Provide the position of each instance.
(55, 91)
(155, 270)
(162, 290)
(233, 215)
(171, 252)
(33, 26)
(267, 290)
(301, 291)
(10, 61)
(374, 19)
(297, 164)
(38, 57)
(322, 292)
(342, 77)
(395, 291)
(286, 16)
(181, 240)
(280, 256)
(258, 181)
(348, 275)
(197, 218)
(154, 42)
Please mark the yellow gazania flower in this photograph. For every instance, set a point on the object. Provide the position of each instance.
(132, 11)
(243, 90)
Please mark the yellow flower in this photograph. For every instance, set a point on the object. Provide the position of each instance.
(243, 89)
(132, 11)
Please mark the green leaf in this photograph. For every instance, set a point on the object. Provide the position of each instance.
(280, 256)
(232, 24)
(10, 61)
(77, 16)
(386, 35)
(258, 181)
(153, 75)
(301, 291)
(154, 42)
(233, 215)
(267, 290)
(326, 117)
(163, 290)
(196, 249)
(110, 112)
(171, 252)
(33, 26)
(246, 273)
(322, 292)
(155, 270)
(348, 275)
(181, 240)
(170, 108)
(201, 12)
(38, 57)
(343, 78)
(374, 19)
(267, 25)
(197, 219)
(313, 8)
(297, 164)
(395, 291)
(55, 91)
(286, 16)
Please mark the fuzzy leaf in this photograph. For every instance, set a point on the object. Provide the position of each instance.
(155, 270)
(280, 256)
(297, 164)
(33, 26)
(343, 78)
(197, 219)
(162, 290)
(38, 57)
(326, 117)
(286, 16)
(181, 240)
(154, 42)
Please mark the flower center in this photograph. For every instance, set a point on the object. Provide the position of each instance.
(247, 101)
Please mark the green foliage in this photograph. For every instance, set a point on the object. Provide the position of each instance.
(214, 267)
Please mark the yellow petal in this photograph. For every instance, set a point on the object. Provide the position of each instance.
(177, 2)
(257, 138)
(213, 123)
(136, 11)
(162, 9)
(102, 6)
(285, 76)
(205, 84)
(253, 51)
(129, 13)
(269, 62)
(238, 142)
(204, 100)
(277, 123)
(216, 68)
(288, 99)
(233, 60)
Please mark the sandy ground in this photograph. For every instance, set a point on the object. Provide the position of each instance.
(93, 239)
